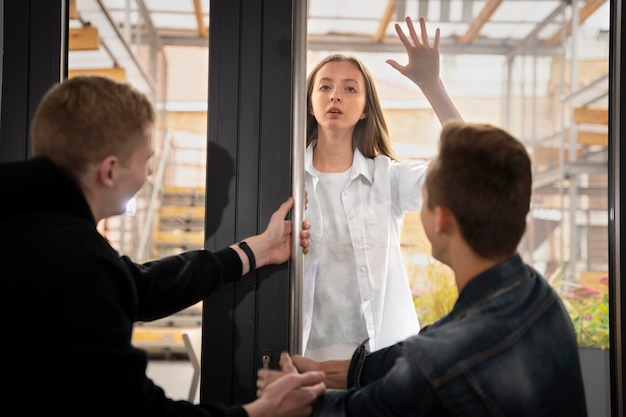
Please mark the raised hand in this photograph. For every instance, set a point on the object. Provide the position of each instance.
(423, 65)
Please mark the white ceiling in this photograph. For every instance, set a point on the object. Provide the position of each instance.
(335, 25)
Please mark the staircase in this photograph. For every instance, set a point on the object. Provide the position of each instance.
(178, 226)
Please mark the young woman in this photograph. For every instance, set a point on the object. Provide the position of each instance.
(355, 284)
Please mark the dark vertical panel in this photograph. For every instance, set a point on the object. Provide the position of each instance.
(216, 382)
(250, 118)
(33, 34)
(14, 111)
(250, 220)
(617, 191)
(273, 311)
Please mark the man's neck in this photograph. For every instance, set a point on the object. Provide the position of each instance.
(466, 265)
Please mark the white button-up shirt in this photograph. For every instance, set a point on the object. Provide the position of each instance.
(378, 192)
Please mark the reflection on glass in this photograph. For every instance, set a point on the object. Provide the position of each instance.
(541, 77)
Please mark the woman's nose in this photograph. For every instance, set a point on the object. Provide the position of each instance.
(335, 97)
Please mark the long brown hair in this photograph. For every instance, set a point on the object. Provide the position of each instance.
(370, 134)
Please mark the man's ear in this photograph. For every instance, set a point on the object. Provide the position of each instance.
(444, 219)
(106, 171)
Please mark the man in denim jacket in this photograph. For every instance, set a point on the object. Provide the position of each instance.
(508, 347)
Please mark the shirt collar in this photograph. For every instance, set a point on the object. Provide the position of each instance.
(360, 164)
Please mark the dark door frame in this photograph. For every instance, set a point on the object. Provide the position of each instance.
(250, 94)
(34, 57)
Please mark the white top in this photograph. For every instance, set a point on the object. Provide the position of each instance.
(355, 258)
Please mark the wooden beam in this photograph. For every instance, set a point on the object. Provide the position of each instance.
(202, 29)
(585, 11)
(591, 115)
(178, 238)
(592, 138)
(184, 212)
(116, 73)
(483, 17)
(72, 11)
(191, 121)
(550, 156)
(84, 39)
(384, 22)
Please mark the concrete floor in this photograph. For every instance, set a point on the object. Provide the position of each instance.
(173, 375)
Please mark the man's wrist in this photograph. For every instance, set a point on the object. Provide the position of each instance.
(249, 253)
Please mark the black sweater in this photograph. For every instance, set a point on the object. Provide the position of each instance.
(69, 302)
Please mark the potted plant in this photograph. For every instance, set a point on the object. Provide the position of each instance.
(588, 308)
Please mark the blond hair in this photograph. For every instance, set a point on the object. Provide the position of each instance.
(83, 120)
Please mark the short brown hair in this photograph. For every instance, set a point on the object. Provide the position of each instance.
(370, 134)
(483, 175)
(84, 119)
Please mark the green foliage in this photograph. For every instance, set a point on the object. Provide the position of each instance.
(588, 309)
(435, 293)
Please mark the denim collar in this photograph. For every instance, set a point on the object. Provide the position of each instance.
(491, 283)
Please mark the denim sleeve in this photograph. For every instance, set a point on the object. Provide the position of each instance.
(367, 367)
(401, 392)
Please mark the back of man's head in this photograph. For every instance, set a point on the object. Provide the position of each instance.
(483, 175)
(84, 119)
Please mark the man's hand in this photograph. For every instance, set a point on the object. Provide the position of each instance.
(285, 392)
(336, 371)
(266, 377)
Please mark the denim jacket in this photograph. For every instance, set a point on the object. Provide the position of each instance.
(507, 348)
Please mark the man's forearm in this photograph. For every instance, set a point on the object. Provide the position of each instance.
(336, 373)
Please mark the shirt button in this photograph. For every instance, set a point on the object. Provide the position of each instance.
(357, 241)
(362, 269)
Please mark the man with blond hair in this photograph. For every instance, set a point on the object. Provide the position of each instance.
(70, 300)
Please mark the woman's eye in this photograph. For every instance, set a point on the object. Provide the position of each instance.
(351, 89)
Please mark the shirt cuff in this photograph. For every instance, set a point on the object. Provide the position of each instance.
(356, 365)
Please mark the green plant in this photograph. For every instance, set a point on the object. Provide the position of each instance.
(588, 308)
(589, 311)
(434, 291)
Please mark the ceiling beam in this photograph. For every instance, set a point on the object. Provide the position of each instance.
(483, 17)
(585, 12)
(72, 11)
(384, 22)
(482, 46)
(202, 28)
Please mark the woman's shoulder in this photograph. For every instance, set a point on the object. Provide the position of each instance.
(395, 165)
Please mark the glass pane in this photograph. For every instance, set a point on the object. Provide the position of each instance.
(518, 74)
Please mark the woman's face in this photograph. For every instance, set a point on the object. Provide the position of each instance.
(338, 97)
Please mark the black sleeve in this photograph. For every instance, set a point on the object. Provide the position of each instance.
(176, 282)
(219, 410)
